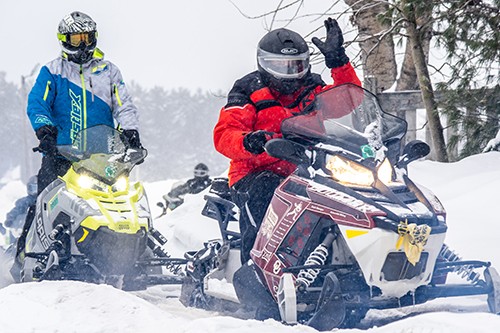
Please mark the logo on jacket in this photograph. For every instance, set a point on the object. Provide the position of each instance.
(99, 69)
(40, 119)
(289, 50)
(76, 116)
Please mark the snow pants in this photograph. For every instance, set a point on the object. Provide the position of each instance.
(52, 167)
(252, 194)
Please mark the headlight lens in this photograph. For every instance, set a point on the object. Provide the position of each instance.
(86, 182)
(350, 172)
(346, 171)
(89, 183)
(120, 185)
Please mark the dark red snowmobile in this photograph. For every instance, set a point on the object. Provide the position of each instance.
(348, 231)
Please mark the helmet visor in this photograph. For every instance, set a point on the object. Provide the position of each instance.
(284, 66)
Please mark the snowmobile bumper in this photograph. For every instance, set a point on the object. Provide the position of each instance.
(490, 286)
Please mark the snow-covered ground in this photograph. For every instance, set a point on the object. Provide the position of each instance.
(469, 190)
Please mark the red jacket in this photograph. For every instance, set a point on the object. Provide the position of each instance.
(264, 110)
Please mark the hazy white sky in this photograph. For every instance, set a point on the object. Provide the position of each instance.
(193, 44)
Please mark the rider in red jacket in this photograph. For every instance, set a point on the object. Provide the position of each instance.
(282, 86)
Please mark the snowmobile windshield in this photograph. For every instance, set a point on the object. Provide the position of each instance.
(346, 116)
(101, 151)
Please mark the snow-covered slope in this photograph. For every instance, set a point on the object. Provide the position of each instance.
(468, 189)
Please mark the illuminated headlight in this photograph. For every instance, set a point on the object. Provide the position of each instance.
(89, 183)
(120, 185)
(350, 172)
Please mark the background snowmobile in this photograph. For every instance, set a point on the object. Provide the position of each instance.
(347, 232)
(93, 224)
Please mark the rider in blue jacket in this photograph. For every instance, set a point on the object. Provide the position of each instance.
(77, 90)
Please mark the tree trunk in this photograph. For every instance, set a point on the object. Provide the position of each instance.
(429, 100)
(408, 78)
(377, 56)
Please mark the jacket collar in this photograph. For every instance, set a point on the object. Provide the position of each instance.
(97, 56)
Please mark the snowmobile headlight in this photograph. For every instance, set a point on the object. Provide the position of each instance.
(89, 183)
(120, 185)
(384, 172)
(85, 182)
(346, 171)
(350, 172)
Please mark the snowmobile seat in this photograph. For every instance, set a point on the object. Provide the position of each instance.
(224, 212)
(220, 207)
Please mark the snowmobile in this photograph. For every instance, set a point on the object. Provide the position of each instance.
(93, 224)
(347, 232)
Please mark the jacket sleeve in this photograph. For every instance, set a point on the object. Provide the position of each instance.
(233, 124)
(20, 209)
(236, 119)
(345, 74)
(41, 99)
(124, 110)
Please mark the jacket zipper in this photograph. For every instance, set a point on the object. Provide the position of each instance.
(91, 89)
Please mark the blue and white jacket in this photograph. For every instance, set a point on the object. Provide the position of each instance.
(72, 97)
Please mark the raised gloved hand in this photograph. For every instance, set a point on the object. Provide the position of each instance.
(254, 142)
(332, 47)
(47, 135)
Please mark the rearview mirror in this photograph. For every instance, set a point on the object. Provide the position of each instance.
(413, 150)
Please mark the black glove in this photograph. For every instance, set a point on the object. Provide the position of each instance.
(332, 48)
(47, 135)
(254, 141)
(132, 138)
(133, 141)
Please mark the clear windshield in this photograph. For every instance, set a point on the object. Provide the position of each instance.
(347, 116)
(101, 151)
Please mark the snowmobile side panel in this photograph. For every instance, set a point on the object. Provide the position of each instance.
(376, 252)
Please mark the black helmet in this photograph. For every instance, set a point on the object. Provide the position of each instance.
(77, 33)
(201, 170)
(283, 60)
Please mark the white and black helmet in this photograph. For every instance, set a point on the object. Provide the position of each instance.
(77, 33)
(283, 59)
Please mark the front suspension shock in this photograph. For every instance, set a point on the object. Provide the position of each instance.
(464, 271)
(316, 258)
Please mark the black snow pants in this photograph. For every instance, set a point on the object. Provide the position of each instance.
(52, 167)
(252, 194)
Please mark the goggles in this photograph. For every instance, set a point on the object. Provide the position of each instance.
(75, 39)
(200, 173)
(284, 66)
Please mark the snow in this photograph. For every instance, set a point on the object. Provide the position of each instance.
(468, 189)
